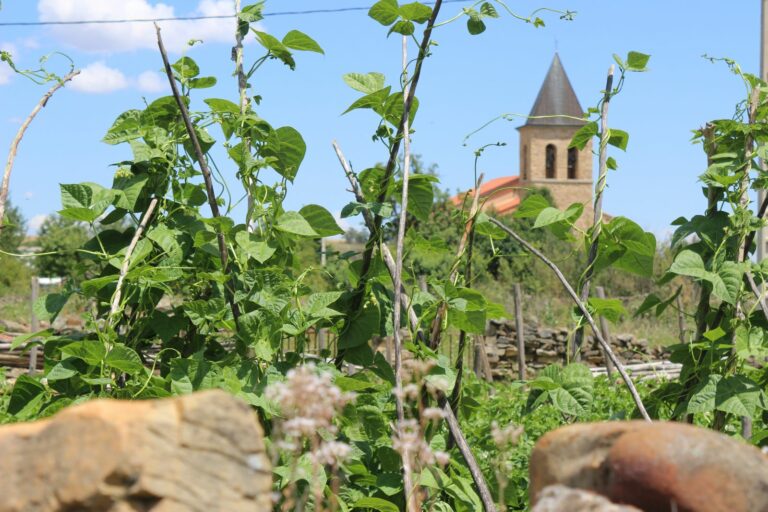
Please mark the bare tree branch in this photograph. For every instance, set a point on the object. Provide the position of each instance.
(597, 222)
(453, 424)
(115, 307)
(375, 227)
(20, 134)
(584, 311)
(223, 252)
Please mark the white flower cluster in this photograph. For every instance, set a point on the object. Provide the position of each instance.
(309, 401)
(409, 442)
(507, 436)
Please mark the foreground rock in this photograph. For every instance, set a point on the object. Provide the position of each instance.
(201, 452)
(654, 467)
(557, 498)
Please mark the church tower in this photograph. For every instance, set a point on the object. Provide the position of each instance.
(545, 159)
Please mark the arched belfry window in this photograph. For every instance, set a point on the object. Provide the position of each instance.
(551, 157)
(525, 163)
(573, 163)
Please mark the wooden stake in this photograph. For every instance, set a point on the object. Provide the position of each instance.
(607, 335)
(520, 328)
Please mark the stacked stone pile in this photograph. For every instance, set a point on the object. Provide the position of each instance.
(545, 346)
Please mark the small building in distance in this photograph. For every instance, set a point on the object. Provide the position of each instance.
(546, 161)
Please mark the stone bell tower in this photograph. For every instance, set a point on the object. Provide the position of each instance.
(545, 159)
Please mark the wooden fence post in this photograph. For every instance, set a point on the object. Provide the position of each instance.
(34, 324)
(680, 318)
(519, 327)
(607, 335)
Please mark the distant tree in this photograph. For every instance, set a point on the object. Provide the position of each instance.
(13, 230)
(356, 236)
(62, 237)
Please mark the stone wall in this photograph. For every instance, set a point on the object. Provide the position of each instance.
(545, 346)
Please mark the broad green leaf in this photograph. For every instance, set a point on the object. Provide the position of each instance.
(415, 11)
(321, 220)
(406, 28)
(361, 328)
(740, 396)
(689, 263)
(297, 40)
(295, 223)
(611, 309)
(92, 352)
(48, 307)
(583, 135)
(26, 397)
(475, 24)
(618, 138)
(276, 48)
(130, 190)
(750, 342)
(385, 12)
(354, 208)
(287, 149)
(421, 196)
(703, 397)
(727, 282)
(62, 370)
(186, 67)
(573, 400)
(221, 106)
(126, 127)
(374, 101)
(531, 206)
(637, 61)
(253, 247)
(488, 10)
(317, 304)
(204, 82)
(378, 504)
(24, 338)
(367, 83)
(484, 226)
(124, 358)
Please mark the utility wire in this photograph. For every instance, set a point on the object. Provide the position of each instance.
(194, 18)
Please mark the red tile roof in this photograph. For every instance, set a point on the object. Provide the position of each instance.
(499, 194)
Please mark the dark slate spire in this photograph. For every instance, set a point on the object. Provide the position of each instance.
(556, 97)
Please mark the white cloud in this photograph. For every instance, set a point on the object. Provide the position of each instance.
(98, 78)
(152, 81)
(29, 194)
(30, 42)
(123, 37)
(33, 225)
(6, 73)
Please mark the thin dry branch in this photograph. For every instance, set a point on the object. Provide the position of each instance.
(437, 324)
(115, 307)
(597, 222)
(411, 497)
(453, 424)
(375, 227)
(20, 134)
(584, 311)
(223, 252)
(242, 88)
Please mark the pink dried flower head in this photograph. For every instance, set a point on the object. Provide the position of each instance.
(409, 442)
(331, 453)
(308, 400)
(416, 369)
(442, 458)
(432, 414)
(507, 436)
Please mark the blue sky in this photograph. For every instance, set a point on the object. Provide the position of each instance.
(468, 81)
